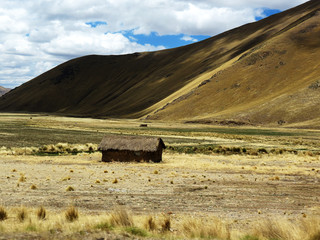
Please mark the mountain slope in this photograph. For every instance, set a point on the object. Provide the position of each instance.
(263, 72)
(274, 82)
(4, 90)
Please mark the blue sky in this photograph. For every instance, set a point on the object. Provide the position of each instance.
(172, 41)
(36, 36)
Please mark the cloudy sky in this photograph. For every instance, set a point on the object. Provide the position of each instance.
(36, 35)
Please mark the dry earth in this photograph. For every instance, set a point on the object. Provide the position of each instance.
(240, 188)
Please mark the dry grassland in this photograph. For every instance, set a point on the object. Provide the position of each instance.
(213, 196)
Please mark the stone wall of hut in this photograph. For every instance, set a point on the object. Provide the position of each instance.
(131, 156)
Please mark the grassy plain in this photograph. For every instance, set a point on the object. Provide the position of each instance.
(196, 192)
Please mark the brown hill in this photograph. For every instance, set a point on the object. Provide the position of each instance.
(4, 90)
(265, 72)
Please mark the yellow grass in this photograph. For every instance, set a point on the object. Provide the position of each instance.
(175, 226)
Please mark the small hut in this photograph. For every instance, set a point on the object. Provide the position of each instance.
(131, 148)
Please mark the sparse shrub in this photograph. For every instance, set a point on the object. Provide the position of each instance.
(166, 225)
(53, 149)
(72, 214)
(115, 181)
(253, 152)
(22, 214)
(90, 149)
(309, 153)
(97, 181)
(120, 217)
(156, 172)
(66, 178)
(3, 214)
(236, 150)
(262, 150)
(41, 213)
(150, 224)
(33, 187)
(69, 189)
(275, 178)
(22, 178)
(75, 150)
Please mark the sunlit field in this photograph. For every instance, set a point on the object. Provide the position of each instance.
(215, 182)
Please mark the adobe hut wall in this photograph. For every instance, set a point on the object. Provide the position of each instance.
(131, 156)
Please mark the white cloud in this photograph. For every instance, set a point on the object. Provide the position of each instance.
(78, 43)
(39, 34)
(189, 39)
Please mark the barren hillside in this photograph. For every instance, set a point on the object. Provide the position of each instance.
(265, 72)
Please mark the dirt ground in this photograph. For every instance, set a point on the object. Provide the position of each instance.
(240, 188)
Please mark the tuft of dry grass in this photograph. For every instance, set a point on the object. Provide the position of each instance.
(72, 214)
(3, 214)
(163, 226)
(41, 213)
(69, 189)
(150, 224)
(22, 214)
(284, 229)
(22, 178)
(166, 225)
(209, 229)
(311, 225)
(121, 217)
(66, 178)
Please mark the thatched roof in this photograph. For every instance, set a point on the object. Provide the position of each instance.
(131, 143)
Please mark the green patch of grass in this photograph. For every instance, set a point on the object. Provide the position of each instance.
(232, 131)
(213, 149)
(19, 134)
(104, 226)
(224, 150)
(136, 231)
(22, 132)
(249, 237)
(31, 228)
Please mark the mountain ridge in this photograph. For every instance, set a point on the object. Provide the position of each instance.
(236, 75)
(4, 90)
